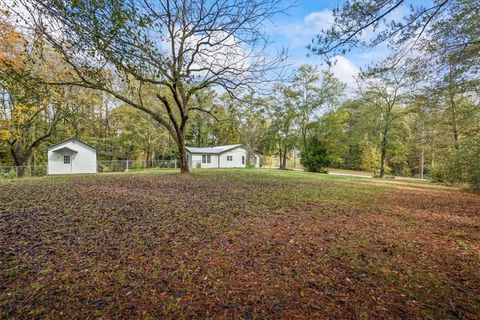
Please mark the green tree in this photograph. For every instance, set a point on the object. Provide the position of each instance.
(332, 128)
(282, 134)
(383, 94)
(369, 23)
(314, 91)
(205, 127)
(136, 134)
(314, 157)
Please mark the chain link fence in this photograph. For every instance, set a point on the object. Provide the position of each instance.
(133, 165)
(293, 163)
(11, 172)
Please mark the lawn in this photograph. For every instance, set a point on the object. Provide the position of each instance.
(237, 244)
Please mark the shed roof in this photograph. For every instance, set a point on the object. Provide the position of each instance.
(65, 149)
(213, 150)
(69, 139)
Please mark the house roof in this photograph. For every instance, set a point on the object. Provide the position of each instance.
(65, 149)
(69, 139)
(213, 150)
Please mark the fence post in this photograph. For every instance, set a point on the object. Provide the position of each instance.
(175, 163)
(126, 165)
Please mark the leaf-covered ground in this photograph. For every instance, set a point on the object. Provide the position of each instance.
(233, 244)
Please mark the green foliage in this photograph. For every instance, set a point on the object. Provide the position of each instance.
(459, 166)
(137, 135)
(314, 156)
(370, 156)
(313, 91)
(446, 28)
(282, 135)
(331, 128)
(205, 130)
(445, 110)
(29, 109)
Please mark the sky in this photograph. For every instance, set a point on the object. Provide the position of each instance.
(296, 28)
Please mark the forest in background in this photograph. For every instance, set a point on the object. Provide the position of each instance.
(411, 115)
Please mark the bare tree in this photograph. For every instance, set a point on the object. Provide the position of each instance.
(173, 48)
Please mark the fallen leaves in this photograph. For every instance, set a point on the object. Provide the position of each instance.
(235, 244)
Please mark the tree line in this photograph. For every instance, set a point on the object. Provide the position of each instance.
(145, 79)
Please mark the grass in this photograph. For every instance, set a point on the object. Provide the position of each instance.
(251, 244)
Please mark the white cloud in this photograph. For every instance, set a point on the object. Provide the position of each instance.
(300, 34)
(320, 20)
(344, 70)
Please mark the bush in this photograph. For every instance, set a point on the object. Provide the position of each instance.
(460, 166)
(370, 157)
(315, 156)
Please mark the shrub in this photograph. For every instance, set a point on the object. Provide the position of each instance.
(460, 166)
(370, 157)
(315, 156)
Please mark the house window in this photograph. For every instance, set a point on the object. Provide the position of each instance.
(206, 158)
(229, 158)
(66, 159)
(243, 159)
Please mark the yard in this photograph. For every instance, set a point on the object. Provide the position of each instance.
(251, 244)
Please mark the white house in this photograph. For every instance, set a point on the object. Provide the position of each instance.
(228, 156)
(71, 156)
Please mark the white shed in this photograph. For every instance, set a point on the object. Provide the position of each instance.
(71, 156)
(227, 156)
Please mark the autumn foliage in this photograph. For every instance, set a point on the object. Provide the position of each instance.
(11, 49)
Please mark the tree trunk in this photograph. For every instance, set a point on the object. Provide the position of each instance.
(21, 171)
(451, 97)
(182, 153)
(248, 153)
(18, 160)
(20, 163)
(383, 153)
(382, 162)
(148, 153)
(280, 157)
(283, 159)
(454, 126)
(304, 138)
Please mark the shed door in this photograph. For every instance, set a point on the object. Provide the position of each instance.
(67, 163)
